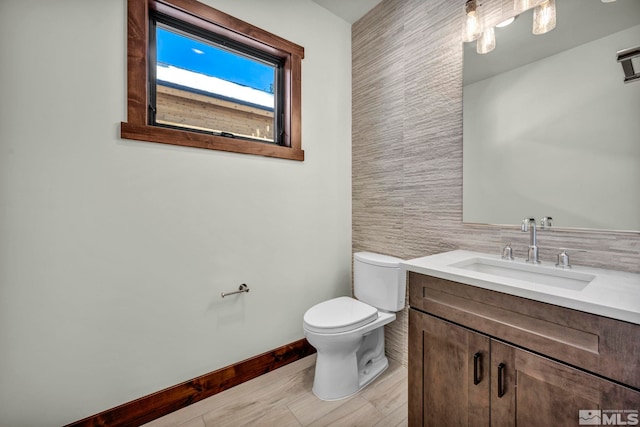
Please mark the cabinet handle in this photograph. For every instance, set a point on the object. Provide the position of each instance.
(501, 368)
(477, 360)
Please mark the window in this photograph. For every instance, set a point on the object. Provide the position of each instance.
(203, 87)
(200, 78)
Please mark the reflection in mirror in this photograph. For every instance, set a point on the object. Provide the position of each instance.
(550, 127)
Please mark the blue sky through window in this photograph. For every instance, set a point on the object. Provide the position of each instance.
(193, 55)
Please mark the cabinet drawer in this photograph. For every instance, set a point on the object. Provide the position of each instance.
(597, 344)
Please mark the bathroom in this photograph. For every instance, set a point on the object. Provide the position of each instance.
(114, 252)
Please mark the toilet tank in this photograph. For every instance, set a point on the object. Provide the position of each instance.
(379, 281)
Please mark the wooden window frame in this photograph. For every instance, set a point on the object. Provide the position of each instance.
(200, 15)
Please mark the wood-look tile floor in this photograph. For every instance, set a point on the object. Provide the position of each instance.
(284, 398)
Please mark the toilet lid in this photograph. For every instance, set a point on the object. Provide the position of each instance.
(339, 315)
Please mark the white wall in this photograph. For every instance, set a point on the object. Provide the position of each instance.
(113, 253)
(557, 137)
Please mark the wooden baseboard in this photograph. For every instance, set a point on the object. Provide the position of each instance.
(161, 403)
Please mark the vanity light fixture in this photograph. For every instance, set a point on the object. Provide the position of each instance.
(544, 17)
(608, 1)
(486, 38)
(472, 28)
(487, 41)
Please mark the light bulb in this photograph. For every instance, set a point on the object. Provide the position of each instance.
(544, 17)
(472, 28)
(506, 22)
(486, 42)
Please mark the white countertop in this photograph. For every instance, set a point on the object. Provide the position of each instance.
(611, 293)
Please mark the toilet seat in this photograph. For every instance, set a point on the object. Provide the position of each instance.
(339, 315)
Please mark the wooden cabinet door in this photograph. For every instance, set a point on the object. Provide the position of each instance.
(548, 393)
(448, 374)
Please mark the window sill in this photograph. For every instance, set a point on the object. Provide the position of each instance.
(210, 142)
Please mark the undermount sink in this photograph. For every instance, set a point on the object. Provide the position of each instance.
(609, 293)
(549, 276)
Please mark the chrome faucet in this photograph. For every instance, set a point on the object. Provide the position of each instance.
(529, 224)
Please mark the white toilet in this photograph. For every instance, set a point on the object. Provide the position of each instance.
(348, 333)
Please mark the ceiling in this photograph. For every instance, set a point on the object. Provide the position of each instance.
(349, 10)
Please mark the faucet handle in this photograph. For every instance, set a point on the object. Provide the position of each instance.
(507, 252)
(546, 222)
(563, 257)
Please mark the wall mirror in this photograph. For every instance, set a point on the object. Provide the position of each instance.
(550, 127)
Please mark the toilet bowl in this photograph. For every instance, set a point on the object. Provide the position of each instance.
(348, 333)
(339, 329)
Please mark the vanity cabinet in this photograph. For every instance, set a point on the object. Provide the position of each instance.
(483, 358)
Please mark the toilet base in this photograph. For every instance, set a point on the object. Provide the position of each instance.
(364, 378)
(372, 371)
(342, 374)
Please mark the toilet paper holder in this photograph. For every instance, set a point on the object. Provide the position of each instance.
(242, 288)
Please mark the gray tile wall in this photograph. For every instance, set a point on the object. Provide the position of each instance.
(407, 149)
